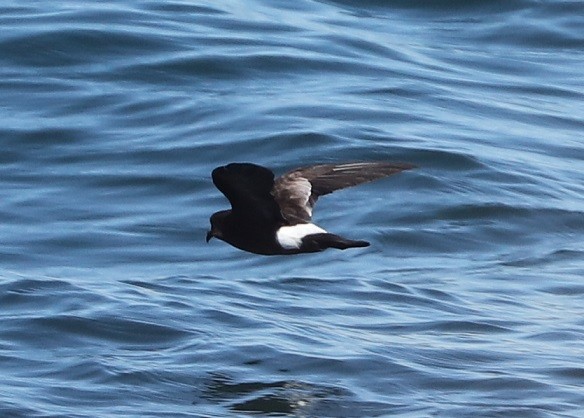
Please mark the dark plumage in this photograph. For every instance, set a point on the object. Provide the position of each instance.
(274, 217)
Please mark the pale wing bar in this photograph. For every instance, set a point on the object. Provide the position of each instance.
(296, 192)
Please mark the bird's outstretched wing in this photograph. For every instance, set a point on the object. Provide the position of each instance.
(248, 188)
(297, 191)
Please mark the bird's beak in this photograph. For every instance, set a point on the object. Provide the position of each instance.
(210, 235)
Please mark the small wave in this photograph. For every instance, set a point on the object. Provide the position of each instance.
(286, 397)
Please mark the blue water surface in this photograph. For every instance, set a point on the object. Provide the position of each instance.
(468, 303)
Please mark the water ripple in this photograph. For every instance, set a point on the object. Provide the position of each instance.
(468, 301)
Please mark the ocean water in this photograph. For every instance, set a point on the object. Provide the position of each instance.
(468, 303)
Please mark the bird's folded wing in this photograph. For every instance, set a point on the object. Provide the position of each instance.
(248, 188)
(296, 192)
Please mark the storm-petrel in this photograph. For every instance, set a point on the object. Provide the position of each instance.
(271, 217)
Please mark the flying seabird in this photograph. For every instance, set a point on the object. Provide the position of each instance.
(272, 217)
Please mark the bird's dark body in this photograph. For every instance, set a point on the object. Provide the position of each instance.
(271, 217)
(246, 234)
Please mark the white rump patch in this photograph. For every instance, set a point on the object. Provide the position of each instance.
(290, 237)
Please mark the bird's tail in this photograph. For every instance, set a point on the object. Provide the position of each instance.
(319, 242)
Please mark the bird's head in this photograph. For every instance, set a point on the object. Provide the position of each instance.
(218, 222)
